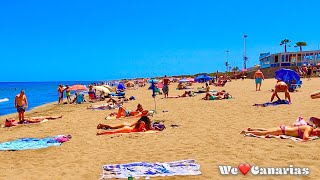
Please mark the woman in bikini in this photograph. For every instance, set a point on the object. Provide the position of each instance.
(123, 112)
(12, 122)
(303, 132)
(142, 125)
(281, 87)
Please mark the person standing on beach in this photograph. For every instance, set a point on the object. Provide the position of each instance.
(21, 103)
(309, 71)
(165, 88)
(68, 93)
(60, 94)
(258, 76)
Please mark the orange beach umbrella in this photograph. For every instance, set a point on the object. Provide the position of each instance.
(78, 87)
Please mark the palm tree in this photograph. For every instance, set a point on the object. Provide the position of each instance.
(234, 69)
(285, 42)
(300, 44)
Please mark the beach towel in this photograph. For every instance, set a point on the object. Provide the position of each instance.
(280, 137)
(145, 132)
(274, 103)
(33, 143)
(149, 169)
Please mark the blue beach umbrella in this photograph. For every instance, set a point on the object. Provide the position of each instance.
(153, 87)
(203, 78)
(120, 86)
(287, 75)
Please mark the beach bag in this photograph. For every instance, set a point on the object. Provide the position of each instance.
(300, 122)
(158, 126)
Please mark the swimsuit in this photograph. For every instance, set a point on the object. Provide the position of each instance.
(283, 130)
(67, 93)
(165, 89)
(127, 113)
(212, 98)
(21, 108)
(300, 133)
(258, 80)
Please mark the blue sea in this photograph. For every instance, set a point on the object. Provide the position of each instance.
(38, 93)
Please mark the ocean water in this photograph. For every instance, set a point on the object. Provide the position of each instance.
(38, 93)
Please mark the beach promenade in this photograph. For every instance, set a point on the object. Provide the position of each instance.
(208, 132)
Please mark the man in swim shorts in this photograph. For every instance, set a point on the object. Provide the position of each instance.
(258, 76)
(21, 104)
(165, 88)
(60, 94)
(68, 93)
(281, 87)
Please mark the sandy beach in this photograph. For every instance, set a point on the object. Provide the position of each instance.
(208, 132)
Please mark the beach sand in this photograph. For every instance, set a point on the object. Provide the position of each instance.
(208, 132)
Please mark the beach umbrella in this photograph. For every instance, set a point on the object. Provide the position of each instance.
(287, 75)
(183, 80)
(121, 86)
(78, 87)
(191, 79)
(109, 87)
(244, 70)
(153, 80)
(102, 89)
(203, 78)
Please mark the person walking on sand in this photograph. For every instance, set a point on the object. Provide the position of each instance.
(165, 88)
(309, 71)
(258, 76)
(68, 93)
(60, 94)
(21, 103)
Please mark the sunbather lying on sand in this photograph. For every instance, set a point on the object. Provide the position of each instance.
(315, 95)
(103, 106)
(142, 125)
(123, 112)
(12, 122)
(181, 86)
(303, 132)
(185, 94)
(217, 95)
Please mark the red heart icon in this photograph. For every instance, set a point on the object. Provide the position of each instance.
(244, 168)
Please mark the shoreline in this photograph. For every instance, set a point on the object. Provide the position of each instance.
(41, 108)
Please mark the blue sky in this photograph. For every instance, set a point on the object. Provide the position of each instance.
(97, 40)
